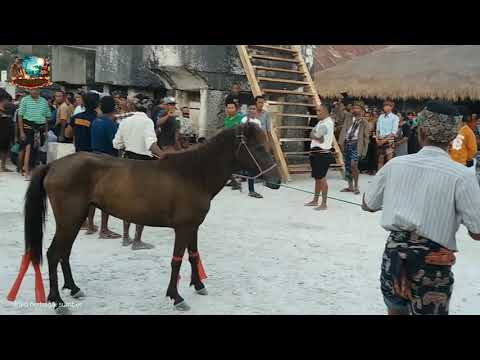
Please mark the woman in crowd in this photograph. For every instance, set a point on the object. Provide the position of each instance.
(403, 135)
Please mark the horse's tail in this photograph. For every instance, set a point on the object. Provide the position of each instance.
(35, 211)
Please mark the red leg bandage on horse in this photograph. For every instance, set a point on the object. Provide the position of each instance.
(12, 295)
(39, 289)
(201, 271)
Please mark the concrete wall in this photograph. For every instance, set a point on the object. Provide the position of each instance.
(69, 65)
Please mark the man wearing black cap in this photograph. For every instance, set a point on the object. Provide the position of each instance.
(424, 197)
(167, 126)
(354, 138)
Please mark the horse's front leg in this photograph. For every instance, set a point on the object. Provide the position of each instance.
(198, 273)
(182, 238)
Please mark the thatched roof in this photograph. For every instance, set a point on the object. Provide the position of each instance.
(450, 72)
(327, 56)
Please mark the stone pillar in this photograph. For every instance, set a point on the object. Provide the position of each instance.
(202, 119)
(212, 107)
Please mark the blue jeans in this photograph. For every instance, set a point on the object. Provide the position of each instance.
(251, 182)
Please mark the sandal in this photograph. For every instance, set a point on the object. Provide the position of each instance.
(346, 190)
(255, 195)
(356, 192)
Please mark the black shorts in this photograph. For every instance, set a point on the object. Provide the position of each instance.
(135, 156)
(320, 162)
(34, 134)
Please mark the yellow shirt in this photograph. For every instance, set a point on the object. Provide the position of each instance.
(464, 146)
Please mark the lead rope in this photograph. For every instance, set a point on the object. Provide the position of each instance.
(270, 168)
(311, 192)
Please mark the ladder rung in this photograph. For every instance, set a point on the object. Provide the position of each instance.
(297, 153)
(284, 81)
(295, 115)
(294, 139)
(294, 127)
(289, 103)
(274, 91)
(266, 68)
(274, 58)
(277, 48)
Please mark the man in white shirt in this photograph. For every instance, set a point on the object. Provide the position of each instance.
(387, 127)
(321, 155)
(136, 135)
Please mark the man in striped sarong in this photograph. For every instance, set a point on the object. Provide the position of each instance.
(424, 197)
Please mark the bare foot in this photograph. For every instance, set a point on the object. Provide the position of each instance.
(140, 245)
(127, 241)
(312, 203)
(91, 230)
(321, 207)
(107, 234)
(356, 191)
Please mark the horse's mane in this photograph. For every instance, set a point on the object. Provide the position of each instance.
(193, 160)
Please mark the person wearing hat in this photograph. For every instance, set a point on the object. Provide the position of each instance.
(354, 138)
(387, 128)
(167, 126)
(424, 197)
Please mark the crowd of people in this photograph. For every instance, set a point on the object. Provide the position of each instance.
(370, 138)
(134, 128)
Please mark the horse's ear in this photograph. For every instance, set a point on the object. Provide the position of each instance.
(249, 130)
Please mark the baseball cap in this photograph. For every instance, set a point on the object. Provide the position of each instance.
(169, 100)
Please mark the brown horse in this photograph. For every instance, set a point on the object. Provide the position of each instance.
(173, 192)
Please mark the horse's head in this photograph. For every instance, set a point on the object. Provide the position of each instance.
(253, 153)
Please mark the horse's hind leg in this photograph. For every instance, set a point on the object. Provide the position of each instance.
(194, 258)
(53, 256)
(67, 275)
(69, 218)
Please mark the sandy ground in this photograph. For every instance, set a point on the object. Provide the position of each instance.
(270, 256)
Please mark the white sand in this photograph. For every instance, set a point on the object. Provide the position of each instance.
(262, 256)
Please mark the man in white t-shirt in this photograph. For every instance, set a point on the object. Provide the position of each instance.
(321, 155)
(136, 136)
(251, 118)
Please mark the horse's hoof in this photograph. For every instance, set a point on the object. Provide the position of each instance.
(182, 306)
(63, 310)
(79, 294)
(203, 291)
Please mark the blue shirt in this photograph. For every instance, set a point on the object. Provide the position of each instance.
(387, 124)
(102, 133)
(81, 124)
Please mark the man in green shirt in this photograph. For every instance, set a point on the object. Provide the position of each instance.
(232, 119)
(33, 115)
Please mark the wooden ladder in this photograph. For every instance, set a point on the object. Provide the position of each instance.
(276, 72)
